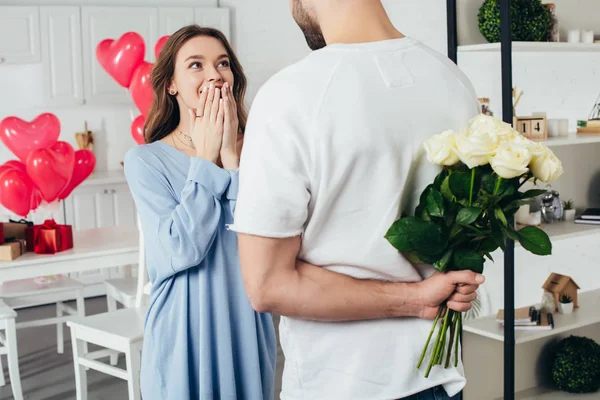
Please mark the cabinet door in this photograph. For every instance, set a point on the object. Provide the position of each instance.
(170, 19)
(19, 35)
(217, 18)
(101, 23)
(61, 55)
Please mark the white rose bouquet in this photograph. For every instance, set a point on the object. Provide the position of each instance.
(462, 216)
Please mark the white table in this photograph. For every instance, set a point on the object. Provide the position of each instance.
(92, 249)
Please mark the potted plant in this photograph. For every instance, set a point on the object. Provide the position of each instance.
(575, 365)
(565, 305)
(569, 211)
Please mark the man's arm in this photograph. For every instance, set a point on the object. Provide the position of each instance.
(277, 282)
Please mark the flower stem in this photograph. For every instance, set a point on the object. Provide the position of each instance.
(498, 183)
(435, 347)
(472, 186)
(437, 317)
(452, 333)
(439, 342)
(458, 330)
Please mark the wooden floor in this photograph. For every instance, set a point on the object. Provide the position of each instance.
(47, 375)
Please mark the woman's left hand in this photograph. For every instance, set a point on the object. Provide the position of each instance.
(229, 149)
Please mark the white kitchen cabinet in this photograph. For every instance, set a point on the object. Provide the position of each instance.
(170, 19)
(104, 199)
(62, 55)
(19, 35)
(99, 23)
(218, 18)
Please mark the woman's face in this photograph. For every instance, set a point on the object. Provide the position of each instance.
(200, 61)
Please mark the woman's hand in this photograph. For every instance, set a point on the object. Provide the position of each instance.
(230, 156)
(206, 124)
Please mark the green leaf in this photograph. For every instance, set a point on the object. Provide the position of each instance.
(455, 231)
(445, 189)
(487, 200)
(460, 184)
(488, 255)
(500, 216)
(399, 234)
(443, 262)
(430, 239)
(535, 240)
(468, 259)
(488, 245)
(488, 183)
(514, 205)
(511, 233)
(532, 193)
(435, 203)
(468, 215)
(440, 178)
(413, 257)
(498, 235)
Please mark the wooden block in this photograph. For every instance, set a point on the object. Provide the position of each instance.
(532, 127)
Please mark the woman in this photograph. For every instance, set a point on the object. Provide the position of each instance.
(202, 338)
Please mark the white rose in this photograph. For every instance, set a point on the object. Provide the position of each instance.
(546, 166)
(511, 160)
(494, 128)
(440, 148)
(475, 149)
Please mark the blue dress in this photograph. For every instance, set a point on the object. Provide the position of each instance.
(202, 338)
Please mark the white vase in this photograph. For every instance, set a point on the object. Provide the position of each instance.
(565, 308)
(569, 215)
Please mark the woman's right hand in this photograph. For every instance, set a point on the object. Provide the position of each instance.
(206, 124)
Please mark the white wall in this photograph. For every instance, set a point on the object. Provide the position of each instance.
(265, 38)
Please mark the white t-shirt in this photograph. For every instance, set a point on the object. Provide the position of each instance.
(333, 152)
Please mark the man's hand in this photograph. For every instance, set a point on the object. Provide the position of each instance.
(457, 288)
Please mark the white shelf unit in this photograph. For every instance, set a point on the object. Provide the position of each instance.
(533, 47)
(572, 139)
(484, 340)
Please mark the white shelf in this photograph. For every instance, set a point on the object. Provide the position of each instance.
(568, 230)
(572, 139)
(105, 178)
(550, 47)
(587, 314)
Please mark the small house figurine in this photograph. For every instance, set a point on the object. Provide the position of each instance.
(561, 285)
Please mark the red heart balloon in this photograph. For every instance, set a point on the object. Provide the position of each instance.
(137, 129)
(141, 88)
(51, 169)
(120, 58)
(159, 45)
(36, 197)
(85, 162)
(16, 190)
(22, 137)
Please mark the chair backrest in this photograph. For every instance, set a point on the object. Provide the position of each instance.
(142, 271)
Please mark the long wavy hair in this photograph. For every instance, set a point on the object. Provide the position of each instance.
(164, 114)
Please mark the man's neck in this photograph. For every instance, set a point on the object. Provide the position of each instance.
(359, 22)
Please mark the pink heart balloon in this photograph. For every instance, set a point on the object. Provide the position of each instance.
(51, 169)
(120, 58)
(22, 137)
(159, 45)
(141, 88)
(137, 129)
(85, 162)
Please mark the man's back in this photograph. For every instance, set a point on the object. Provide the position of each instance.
(347, 126)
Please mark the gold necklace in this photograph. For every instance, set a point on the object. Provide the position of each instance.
(186, 137)
(189, 145)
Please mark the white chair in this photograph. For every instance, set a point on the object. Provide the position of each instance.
(8, 346)
(117, 332)
(22, 293)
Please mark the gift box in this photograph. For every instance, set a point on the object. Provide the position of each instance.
(16, 229)
(49, 238)
(12, 249)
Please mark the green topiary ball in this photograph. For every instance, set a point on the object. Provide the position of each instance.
(576, 365)
(530, 20)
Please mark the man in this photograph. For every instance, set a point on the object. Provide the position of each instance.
(332, 156)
